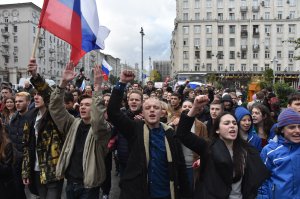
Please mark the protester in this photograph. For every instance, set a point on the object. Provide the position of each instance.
(82, 159)
(246, 128)
(215, 109)
(8, 110)
(282, 158)
(230, 167)
(42, 142)
(7, 182)
(155, 167)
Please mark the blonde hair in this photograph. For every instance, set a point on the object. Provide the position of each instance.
(23, 94)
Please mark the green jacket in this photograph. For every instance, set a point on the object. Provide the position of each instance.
(95, 148)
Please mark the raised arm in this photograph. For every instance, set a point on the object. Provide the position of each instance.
(118, 119)
(101, 128)
(190, 140)
(59, 114)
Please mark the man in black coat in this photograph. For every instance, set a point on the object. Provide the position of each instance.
(155, 167)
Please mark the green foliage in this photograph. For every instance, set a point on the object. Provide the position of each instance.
(283, 90)
(297, 42)
(218, 85)
(155, 76)
(211, 78)
(268, 75)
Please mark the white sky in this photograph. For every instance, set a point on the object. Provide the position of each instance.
(125, 18)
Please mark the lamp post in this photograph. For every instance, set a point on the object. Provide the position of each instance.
(142, 60)
(275, 61)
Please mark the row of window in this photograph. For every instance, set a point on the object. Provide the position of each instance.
(244, 16)
(233, 3)
(244, 28)
(234, 55)
(232, 67)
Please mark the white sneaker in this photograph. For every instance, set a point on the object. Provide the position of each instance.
(105, 197)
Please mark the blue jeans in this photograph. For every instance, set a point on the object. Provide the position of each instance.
(77, 191)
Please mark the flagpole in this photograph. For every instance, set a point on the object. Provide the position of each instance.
(36, 42)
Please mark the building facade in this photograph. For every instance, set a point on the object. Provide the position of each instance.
(235, 35)
(18, 25)
(163, 67)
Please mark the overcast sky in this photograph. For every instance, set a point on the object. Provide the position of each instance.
(125, 18)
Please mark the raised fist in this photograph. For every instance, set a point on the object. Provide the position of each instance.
(127, 76)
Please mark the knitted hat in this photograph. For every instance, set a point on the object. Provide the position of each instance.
(287, 117)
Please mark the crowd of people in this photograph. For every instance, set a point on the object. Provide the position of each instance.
(166, 143)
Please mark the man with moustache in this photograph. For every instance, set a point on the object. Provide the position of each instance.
(155, 167)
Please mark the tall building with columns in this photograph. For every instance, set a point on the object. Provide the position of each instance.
(235, 35)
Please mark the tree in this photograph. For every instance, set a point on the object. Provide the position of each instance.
(155, 76)
(211, 78)
(283, 90)
(297, 42)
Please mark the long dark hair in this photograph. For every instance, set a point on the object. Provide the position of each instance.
(267, 119)
(5, 111)
(4, 141)
(239, 148)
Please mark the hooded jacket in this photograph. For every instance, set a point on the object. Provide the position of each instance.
(252, 138)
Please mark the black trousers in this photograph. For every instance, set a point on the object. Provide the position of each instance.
(106, 185)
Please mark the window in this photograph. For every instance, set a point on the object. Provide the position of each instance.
(208, 54)
(279, 28)
(6, 20)
(197, 16)
(220, 41)
(232, 29)
(244, 55)
(232, 42)
(197, 29)
(254, 67)
(197, 67)
(279, 42)
(267, 66)
(16, 49)
(16, 59)
(33, 29)
(231, 67)
(185, 54)
(267, 3)
(15, 28)
(267, 55)
(208, 15)
(197, 3)
(208, 29)
(197, 42)
(243, 67)
(279, 2)
(267, 29)
(208, 42)
(220, 55)
(231, 16)
(15, 39)
(291, 54)
(279, 15)
(6, 60)
(197, 54)
(255, 55)
(290, 67)
(220, 67)
(292, 2)
(267, 15)
(244, 15)
(208, 67)
(255, 16)
(220, 3)
(185, 41)
(231, 4)
(231, 55)
(292, 28)
(208, 4)
(279, 55)
(185, 16)
(278, 67)
(220, 29)
(292, 14)
(185, 4)
(185, 67)
(220, 16)
(185, 30)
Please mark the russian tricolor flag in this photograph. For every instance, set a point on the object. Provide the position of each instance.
(76, 22)
(106, 68)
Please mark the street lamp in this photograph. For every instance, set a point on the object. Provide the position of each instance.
(274, 61)
(142, 61)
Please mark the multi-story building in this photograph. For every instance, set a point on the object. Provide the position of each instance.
(18, 25)
(163, 67)
(235, 35)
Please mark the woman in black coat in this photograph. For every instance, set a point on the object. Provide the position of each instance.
(230, 168)
(7, 183)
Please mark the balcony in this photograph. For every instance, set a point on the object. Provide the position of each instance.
(256, 34)
(5, 53)
(255, 8)
(244, 8)
(267, 47)
(5, 33)
(244, 47)
(51, 50)
(255, 47)
(244, 33)
(5, 43)
(51, 58)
